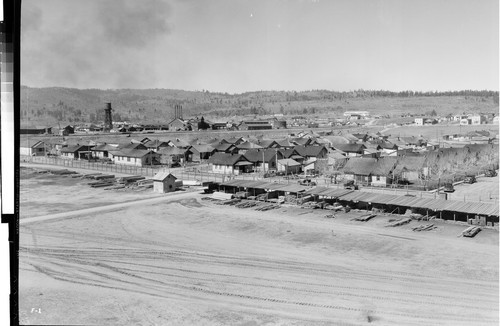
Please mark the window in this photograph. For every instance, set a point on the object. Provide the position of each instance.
(378, 178)
(128, 159)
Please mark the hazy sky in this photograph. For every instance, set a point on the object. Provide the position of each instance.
(246, 45)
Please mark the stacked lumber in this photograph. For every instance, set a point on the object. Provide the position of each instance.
(291, 199)
(267, 207)
(241, 194)
(144, 182)
(104, 176)
(115, 187)
(399, 222)
(311, 204)
(246, 204)
(130, 179)
(364, 218)
(426, 227)
(221, 195)
(102, 183)
(91, 175)
(470, 232)
(229, 202)
(62, 172)
(262, 197)
(77, 175)
(330, 216)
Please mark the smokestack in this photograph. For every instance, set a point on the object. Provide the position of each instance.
(108, 120)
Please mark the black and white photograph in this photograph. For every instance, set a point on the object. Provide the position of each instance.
(257, 162)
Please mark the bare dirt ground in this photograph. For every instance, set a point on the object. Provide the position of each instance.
(484, 190)
(186, 261)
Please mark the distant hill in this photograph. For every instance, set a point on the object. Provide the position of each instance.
(68, 105)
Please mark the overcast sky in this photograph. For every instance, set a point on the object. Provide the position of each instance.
(245, 45)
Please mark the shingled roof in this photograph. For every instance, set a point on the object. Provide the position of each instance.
(360, 166)
(226, 159)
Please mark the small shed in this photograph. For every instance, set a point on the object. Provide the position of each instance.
(164, 182)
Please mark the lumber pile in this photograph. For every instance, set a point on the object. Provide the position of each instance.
(221, 195)
(91, 175)
(104, 176)
(364, 218)
(267, 207)
(279, 200)
(470, 232)
(131, 179)
(261, 197)
(62, 172)
(399, 222)
(246, 204)
(241, 194)
(102, 183)
(229, 202)
(426, 227)
(114, 187)
(291, 199)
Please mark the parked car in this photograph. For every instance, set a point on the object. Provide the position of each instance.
(470, 179)
(448, 187)
(490, 173)
(175, 165)
(350, 185)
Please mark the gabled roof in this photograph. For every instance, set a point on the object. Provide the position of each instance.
(171, 151)
(337, 140)
(223, 147)
(267, 143)
(301, 141)
(248, 145)
(179, 143)
(75, 148)
(256, 156)
(226, 159)
(160, 176)
(104, 148)
(360, 166)
(350, 148)
(179, 120)
(285, 143)
(384, 166)
(409, 163)
(138, 153)
(387, 145)
(31, 143)
(202, 148)
(289, 152)
(313, 151)
(233, 140)
(336, 155)
(156, 143)
(133, 146)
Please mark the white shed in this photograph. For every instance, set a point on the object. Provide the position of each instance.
(164, 182)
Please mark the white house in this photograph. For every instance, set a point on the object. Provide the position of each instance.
(135, 157)
(32, 147)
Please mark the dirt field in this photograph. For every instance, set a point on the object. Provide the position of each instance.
(187, 261)
(484, 190)
(437, 131)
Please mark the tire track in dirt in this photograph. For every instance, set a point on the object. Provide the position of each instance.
(95, 262)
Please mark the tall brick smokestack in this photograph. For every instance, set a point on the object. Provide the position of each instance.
(108, 120)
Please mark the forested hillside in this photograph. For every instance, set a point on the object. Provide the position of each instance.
(66, 105)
